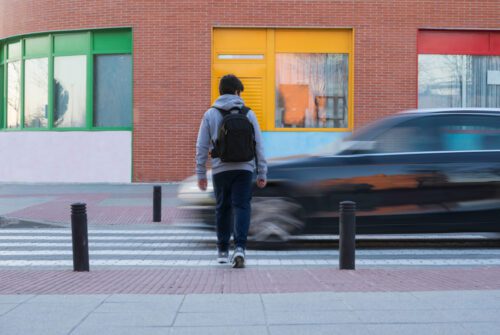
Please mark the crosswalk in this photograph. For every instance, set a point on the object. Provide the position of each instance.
(187, 246)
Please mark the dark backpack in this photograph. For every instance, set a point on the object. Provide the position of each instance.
(236, 137)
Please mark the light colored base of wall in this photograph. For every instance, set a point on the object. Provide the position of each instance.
(278, 144)
(72, 157)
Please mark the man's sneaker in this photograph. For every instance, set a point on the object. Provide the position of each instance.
(222, 257)
(238, 259)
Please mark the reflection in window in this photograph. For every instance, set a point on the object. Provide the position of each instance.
(69, 91)
(311, 90)
(458, 81)
(113, 91)
(36, 91)
(14, 94)
(470, 133)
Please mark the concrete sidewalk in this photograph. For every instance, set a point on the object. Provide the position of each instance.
(451, 312)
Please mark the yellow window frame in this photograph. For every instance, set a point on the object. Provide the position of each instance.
(252, 52)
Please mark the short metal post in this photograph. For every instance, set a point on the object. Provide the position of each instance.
(80, 238)
(157, 204)
(347, 235)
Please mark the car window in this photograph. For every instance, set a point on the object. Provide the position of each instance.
(415, 135)
(442, 133)
(470, 132)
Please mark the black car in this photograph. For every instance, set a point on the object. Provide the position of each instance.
(414, 172)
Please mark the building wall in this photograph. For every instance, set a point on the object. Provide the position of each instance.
(172, 52)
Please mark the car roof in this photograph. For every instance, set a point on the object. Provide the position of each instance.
(468, 110)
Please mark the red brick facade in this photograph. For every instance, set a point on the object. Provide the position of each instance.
(172, 49)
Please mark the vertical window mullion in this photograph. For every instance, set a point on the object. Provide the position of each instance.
(23, 59)
(51, 85)
(90, 83)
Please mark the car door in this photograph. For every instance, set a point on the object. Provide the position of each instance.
(436, 172)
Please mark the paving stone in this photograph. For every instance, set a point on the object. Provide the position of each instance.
(239, 317)
(5, 308)
(215, 303)
(399, 316)
(140, 317)
(298, 301)
(14, 299)
(311, 317)
(483, 328)
(471, 315)
(247, 330)
(417, 329)
(120, 330)
(335, 329)
(34, 319)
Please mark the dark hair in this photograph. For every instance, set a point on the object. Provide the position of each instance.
(230, 84)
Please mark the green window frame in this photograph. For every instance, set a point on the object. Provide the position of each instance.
(88, 43)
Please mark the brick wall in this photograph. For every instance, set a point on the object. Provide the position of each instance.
(172, 55)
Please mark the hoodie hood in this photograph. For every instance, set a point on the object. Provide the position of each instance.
(228, 101)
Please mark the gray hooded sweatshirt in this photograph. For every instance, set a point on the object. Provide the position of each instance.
(207, 134)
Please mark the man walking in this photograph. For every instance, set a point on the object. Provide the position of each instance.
(234, 159)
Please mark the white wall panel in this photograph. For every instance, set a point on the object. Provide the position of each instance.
(73, 156)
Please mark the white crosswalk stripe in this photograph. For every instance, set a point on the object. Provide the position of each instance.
(189, 247)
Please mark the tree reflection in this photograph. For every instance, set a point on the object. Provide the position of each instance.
(61, 100)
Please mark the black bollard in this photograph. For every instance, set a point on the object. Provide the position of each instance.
(157, 204)
(79, 234)
(347, 235)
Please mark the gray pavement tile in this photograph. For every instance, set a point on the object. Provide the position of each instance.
(384, 300)
(44, 319)
(215, 303)
(157, 298)
(72, 299)
(299, 301)
(399, 316)
(247, 330)
(234, 317)
(141, 307)
(120, 330)
(311, 317)
(14, 299)
(471, 315)
(417, 329)
(340, 329)
(483, 328)
(460, 299)
(137, 318)
(5, 308)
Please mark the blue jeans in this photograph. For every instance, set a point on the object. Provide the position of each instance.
(233, 193)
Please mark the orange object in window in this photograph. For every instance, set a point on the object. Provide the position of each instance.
(296, 101)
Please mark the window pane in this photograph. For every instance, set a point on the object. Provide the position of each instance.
(311, 90)
(458, 81)
(440, 79)
(36, 91)
(69, 91)
(113, 91)
(469, 132)
(14, 94)
(482, 90)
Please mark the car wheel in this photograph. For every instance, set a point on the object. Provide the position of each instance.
(275, 219)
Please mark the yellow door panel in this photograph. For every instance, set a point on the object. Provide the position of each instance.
(253, 79)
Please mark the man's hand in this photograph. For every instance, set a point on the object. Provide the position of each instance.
(261, 183)
(202, 184)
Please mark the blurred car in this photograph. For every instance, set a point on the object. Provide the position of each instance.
(420, 171)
